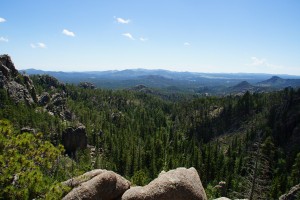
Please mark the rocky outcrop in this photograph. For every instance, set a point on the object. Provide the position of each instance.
(44, 99)
(49, 82)
(86, 85)
(19, 93)
(178, 184)
(97, 184)
(74, 182)
(28, 130)
(74, 138)
(19, 87)
(56, 105)
(30, 86)
(293, 194)
(7, 67)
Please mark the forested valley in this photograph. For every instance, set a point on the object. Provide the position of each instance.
(233, 141)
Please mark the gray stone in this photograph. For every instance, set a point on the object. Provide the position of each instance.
(7, 65)
(107, 185)
(178, 184)
(19, 87)
(28, 130)
(44, 99)
(86, 85)
(19, 93)
(74, 138)
(74, 182)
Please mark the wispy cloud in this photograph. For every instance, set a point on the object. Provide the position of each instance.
(143, 39)
(41, 45)
(128, 35)
(38, 45)
(186, 44)
(3, 39)
(68, 33)
(262, 62)
(2, 20)
(122, 21)
(257, 61)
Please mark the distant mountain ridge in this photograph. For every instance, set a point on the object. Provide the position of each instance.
(276, 81)
(214, 83)
(127, 73)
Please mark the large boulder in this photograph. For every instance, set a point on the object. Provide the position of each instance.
(178, 184)
(97, 184)
(74, 138)
(74, 182)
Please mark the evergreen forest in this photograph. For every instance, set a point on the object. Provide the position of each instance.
(235, 142)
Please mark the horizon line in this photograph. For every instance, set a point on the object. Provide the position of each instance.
(160, 69)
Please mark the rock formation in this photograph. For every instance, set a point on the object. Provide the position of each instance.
(19, 87)
(28, 130)
(97, 184)
(74, 138)
(178, 184)
(7, 67)
(74, 182)
(56, 105)
(86, 85)
(44, 99)
(49, 82)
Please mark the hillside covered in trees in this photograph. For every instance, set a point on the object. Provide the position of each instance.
(242, 146)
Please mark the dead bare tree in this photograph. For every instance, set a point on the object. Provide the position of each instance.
(256, 182)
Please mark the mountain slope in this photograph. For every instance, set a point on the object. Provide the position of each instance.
(278, 82)
(242, 87)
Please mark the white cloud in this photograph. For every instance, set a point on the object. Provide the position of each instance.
(122, 21)
(258, 61)
(38, 45)
(68, 33)
(128, 35)
(143, 39)
(41, 45)
(262, 62)
(186, 44)
(3, 39)
(2, 20)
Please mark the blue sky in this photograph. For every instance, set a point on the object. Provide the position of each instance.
(183, 35)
